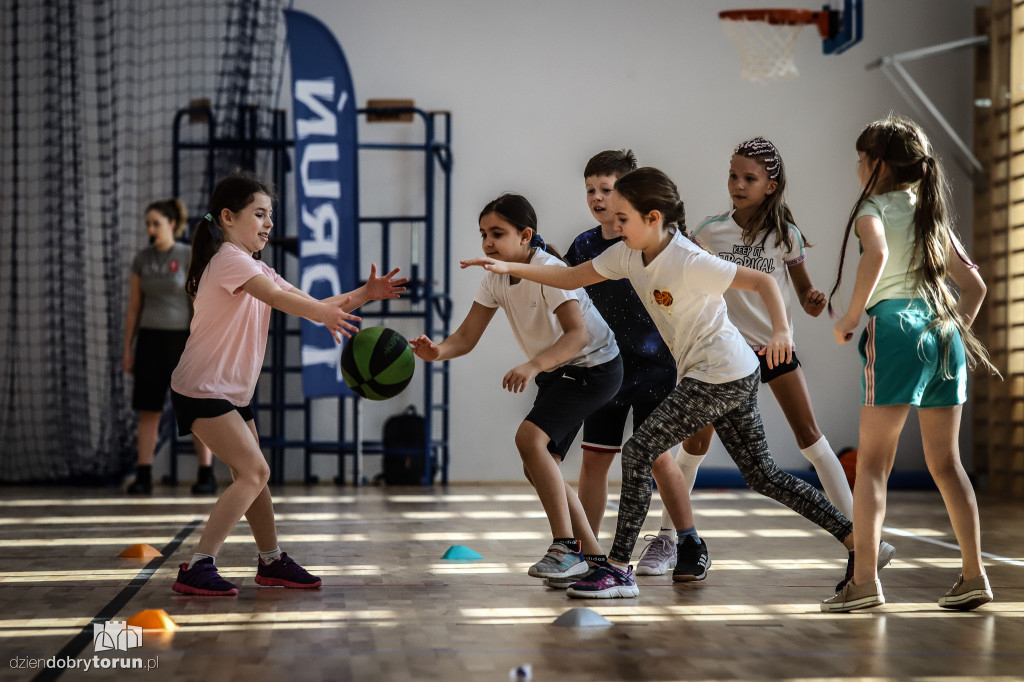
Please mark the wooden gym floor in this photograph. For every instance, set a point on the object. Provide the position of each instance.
(391, 609)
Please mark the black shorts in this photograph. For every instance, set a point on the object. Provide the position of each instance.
(642, 392)
(157, 352)
(187, 410)
(568, 395)
(777, 371)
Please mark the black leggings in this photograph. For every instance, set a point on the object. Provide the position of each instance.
(732, 409)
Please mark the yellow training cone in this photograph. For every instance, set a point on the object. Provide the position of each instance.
(152, 619)
(140, 552)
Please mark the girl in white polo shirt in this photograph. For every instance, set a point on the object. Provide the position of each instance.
(681, 285)
(571, 354)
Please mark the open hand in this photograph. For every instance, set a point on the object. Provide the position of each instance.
(379, 288)
(336, 319)
(519, 377)
(779, 350)
(424, 348)
(498, 267)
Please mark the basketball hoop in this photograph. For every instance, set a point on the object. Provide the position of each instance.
(766, 39)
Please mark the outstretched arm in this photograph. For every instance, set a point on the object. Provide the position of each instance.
(459, 343)
(812, 300)
(869, 271)
(549, 275)
(330, 312)
(780, 348)
(376, 288)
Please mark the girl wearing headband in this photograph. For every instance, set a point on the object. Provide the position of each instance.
(760, 233)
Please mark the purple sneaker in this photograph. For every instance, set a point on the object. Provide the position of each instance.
(605, 582)
(285, 573)
(202, 579)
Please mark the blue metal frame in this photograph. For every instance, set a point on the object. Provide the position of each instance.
(436, 303)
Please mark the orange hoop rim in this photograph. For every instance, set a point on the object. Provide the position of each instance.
(772, 15)
(780, 17)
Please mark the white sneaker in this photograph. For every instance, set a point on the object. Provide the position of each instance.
(658, 557)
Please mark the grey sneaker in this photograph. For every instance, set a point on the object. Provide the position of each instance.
(967, 594)
(853, 597)
(559, 562)
(658, 557)
(565, 583)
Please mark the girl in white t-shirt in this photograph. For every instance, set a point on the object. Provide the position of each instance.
(572, 355)
(214, 381)
(760, 233)
(681, 285)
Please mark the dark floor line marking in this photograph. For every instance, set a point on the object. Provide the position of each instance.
(73, 648)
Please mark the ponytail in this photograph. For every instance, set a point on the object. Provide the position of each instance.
(233, 193)
(538, 242)
(206, 239)
(933, 242)
(846, 236)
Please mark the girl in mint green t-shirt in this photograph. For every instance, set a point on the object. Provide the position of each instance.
(916, 347)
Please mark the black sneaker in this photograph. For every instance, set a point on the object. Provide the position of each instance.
(203, 579)
(885, 555)
(692, 561)
(140, 486)
(204, 486)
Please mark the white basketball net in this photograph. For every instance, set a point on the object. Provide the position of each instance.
(766, 50)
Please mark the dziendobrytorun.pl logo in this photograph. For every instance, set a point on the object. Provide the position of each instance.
(110, 636)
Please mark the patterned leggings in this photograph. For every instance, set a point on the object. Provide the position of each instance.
(732, 409)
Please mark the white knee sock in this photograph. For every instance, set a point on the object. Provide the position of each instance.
(830, 473)
(688, 463)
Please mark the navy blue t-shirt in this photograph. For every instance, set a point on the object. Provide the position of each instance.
(645, 356)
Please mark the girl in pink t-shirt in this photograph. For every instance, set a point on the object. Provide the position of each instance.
(233, 294)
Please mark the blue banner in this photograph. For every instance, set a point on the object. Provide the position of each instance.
(326, 188)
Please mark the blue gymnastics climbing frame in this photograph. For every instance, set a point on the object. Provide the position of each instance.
(257, 145)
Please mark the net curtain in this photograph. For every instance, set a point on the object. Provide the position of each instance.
(90, 88)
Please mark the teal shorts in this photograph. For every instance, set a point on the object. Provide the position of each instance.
(898, 369)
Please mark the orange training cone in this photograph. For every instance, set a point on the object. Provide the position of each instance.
(140, 552)
(152, 619)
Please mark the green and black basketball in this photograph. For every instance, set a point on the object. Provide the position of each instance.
(377, 363)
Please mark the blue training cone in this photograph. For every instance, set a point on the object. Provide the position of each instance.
(461, 553)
